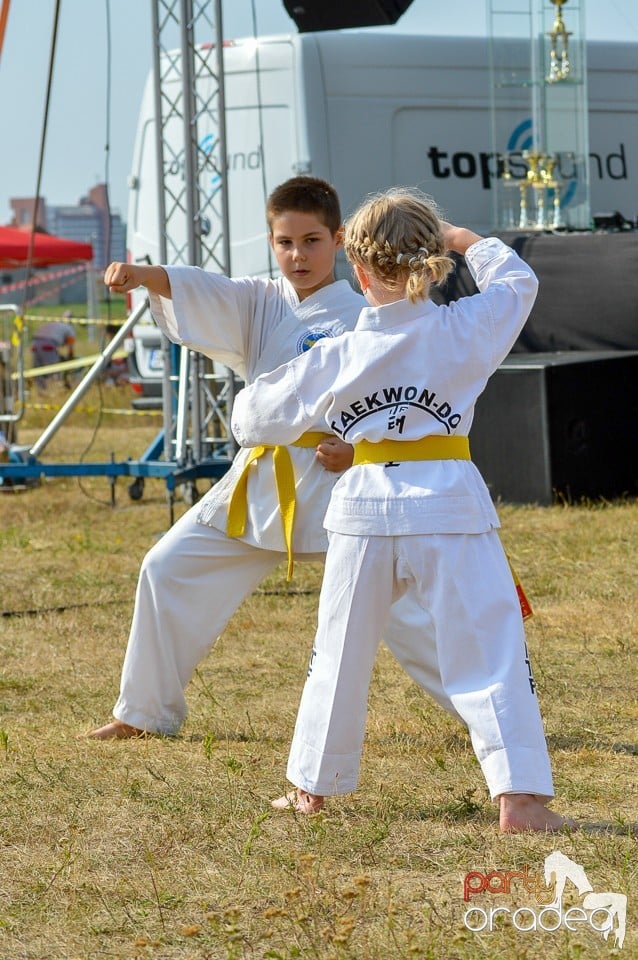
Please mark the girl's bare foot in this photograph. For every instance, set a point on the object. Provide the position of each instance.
(523, 811)
(116, 730)
(299, 800)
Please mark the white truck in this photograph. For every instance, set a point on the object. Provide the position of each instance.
(367, 110)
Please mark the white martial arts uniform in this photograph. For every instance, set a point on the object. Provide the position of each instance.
(427, 528)
(195, 577)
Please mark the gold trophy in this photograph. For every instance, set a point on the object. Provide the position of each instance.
(541, 179)
(551, 183)
(534, 219)
(559, 65)
(508, 217)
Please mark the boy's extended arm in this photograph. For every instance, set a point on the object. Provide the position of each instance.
(279, 406)
(268, 411)
(263, 413)
(122, 277)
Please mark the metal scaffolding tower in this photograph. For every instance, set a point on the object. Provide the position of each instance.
(193, 218)
(193, 228)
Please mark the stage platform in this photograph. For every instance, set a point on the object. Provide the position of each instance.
(588, 295)
(559, 419)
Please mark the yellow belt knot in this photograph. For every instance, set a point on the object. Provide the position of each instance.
(285, 484)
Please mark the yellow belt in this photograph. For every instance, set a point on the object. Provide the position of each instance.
(427, 448)
(285, 483)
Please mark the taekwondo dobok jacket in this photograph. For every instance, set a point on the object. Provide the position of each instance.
(253, 325)
(407, 371)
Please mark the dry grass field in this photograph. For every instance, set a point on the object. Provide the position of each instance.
(168, 848)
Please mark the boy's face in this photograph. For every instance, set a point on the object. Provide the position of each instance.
(305, 250)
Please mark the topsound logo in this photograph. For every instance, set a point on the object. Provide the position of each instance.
(603, 912)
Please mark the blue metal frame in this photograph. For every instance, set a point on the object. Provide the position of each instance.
(31, 469)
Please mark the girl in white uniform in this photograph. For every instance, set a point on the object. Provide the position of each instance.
(413, 515)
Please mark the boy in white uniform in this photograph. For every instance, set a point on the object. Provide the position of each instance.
(195, 577)
(413, 515)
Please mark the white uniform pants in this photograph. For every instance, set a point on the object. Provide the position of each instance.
(191, 583)
(474, 623)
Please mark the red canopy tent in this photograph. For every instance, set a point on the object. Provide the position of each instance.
(47, 249)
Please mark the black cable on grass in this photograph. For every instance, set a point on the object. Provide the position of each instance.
(287, 593)
(63, 608)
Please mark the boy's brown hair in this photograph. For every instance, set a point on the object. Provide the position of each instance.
(306, 195)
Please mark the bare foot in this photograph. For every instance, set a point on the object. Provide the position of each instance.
(523, 811)
(299, 800)
(116, 730)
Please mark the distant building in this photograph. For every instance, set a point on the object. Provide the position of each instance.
(87, 222)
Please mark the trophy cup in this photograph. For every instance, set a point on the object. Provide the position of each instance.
(558, 54)
(551, 183)
(540, 179)
(533, 179)
(508, 217)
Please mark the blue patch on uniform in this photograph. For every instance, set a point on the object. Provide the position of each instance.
(309, 339)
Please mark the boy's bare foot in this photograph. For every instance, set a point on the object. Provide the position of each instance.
(523, 811)
(116, 730)
(299, 800)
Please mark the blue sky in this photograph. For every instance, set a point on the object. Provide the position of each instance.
(76, 155)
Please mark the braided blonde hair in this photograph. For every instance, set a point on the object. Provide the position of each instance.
(396, 236)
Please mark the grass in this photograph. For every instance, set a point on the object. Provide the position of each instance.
(168, 848)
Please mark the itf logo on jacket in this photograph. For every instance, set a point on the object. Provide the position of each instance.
(309, 339)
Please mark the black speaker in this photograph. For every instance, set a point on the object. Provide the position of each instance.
(553, 426)
(311, 15)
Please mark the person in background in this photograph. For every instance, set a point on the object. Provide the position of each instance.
(116, 371)
(53, 342)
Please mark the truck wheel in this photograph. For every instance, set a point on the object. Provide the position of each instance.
(136, 489)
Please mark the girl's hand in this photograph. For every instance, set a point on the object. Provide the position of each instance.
(458, 239)
(334, 454)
